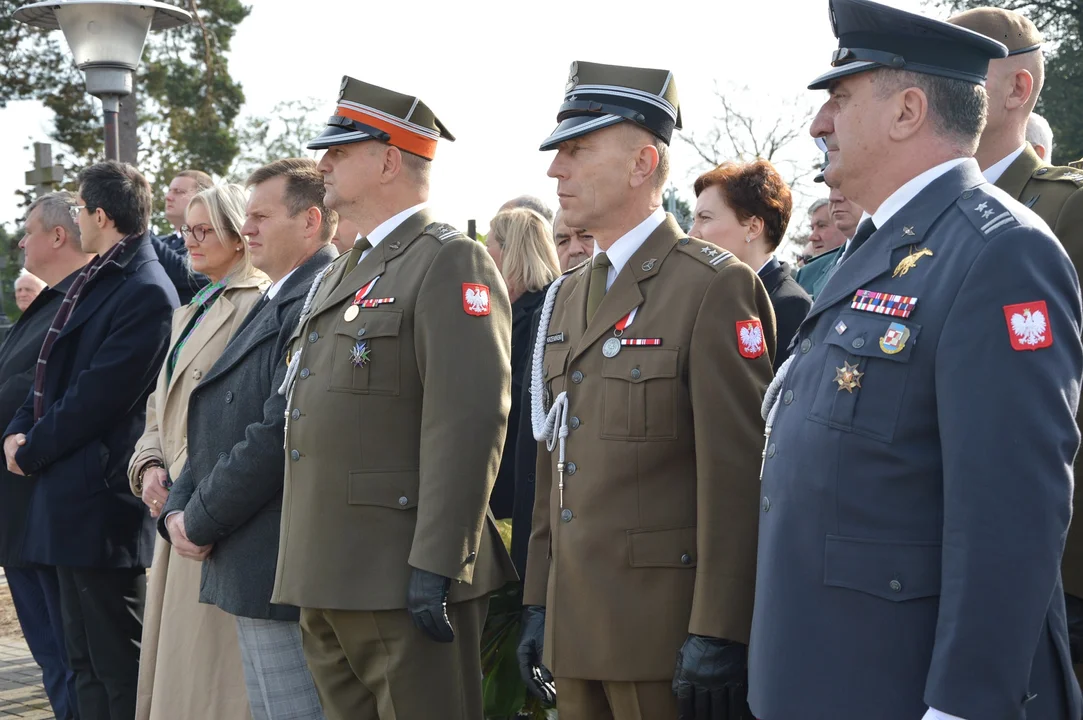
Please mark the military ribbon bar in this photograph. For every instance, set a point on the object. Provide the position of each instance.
(654, 342)
(884, 303)
(375, 302)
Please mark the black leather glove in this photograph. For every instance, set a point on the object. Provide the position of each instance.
(426, 599)
(538, 679)
(711, 681)
(1074, 606)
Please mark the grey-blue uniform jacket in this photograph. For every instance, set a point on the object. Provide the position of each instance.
(911, 530)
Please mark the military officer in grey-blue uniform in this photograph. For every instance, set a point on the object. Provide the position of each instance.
(917, 475)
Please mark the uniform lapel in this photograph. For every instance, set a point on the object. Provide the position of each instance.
(353, 279)
(907, 227)
(625, 295)
(1015, 178)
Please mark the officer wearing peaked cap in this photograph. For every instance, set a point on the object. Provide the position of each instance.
(398, 393)
(649, 370)
(1055, 194)
(917, 480)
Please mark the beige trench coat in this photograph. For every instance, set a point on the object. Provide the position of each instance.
(190, 665)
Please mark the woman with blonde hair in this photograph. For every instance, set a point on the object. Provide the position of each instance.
(190, 664)
(521, 243)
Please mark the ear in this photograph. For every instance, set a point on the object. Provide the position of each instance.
(313, 218)
(59, 236)
(392, 164)
(755, 226)
(1020, 89)
(101, 219)
(910, 111)
(644, 163)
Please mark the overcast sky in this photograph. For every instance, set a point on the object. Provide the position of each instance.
(494, 73)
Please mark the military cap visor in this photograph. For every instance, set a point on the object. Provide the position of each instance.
(871, 35)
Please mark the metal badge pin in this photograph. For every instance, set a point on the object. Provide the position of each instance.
(907, 263)
(649, 265)
(351, 313)
(848, 377)
(611, 347)
(359, 354)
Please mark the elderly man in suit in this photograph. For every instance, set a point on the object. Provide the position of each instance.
(1054, 193)
(398, 404)
(77, 430)
(917, 480)
(53, 253)
(227, 503)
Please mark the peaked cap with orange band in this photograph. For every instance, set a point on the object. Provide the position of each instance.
(368, 112)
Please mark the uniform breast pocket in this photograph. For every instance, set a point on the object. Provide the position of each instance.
(863, 380)
(554, 365)
(366, 355)
(640, 400)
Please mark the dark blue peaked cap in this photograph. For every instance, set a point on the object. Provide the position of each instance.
(872, 35)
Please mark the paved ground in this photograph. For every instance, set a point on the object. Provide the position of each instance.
(21, 692)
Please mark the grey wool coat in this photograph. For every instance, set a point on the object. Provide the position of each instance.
(231, 487)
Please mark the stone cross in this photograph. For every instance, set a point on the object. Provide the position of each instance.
(45, 176)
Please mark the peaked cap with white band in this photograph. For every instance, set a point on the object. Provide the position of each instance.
(368, 112)
(598, 96)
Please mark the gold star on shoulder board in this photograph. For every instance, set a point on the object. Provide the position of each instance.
(848, 377)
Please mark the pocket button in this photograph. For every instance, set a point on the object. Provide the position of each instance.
(895, 586)
(858, 343)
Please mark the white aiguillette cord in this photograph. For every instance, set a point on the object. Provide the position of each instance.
(769, 408)
(292, 364)
(552, 427)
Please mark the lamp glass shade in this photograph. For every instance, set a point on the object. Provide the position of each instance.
(105, 34)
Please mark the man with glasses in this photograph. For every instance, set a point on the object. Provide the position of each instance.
(76, 431)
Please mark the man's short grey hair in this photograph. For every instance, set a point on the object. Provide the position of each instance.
(957, 109)
(56, 212)
(822, 202)
(1039, 133)
(24, 273)
(529, 202)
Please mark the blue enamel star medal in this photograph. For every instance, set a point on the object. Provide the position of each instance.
(359, 355)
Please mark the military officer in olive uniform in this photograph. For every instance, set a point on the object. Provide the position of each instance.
(1055, 194)
(398, 394)
(917, 485)
(654, 358)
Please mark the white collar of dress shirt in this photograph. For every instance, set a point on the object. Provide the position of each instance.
(275, 287)
(620, 252)
(994, 172)
(388, 226)
(898, 199)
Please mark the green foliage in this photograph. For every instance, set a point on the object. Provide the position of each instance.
(1061, 102)
(285, 133)
(11, 261)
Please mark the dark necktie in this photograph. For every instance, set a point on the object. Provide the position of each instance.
(599, 275)
(360, 245)
(864, 232)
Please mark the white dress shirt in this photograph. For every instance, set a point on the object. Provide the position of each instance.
(276, 286)
(994, 172)
(388, 226)
(620, 252)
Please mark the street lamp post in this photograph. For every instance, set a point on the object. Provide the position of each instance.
(106, 37)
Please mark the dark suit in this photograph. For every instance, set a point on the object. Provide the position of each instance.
(172, 254)
(502, 501)
(911, 527)
(790, 301)
(83, 517)
(34, 589)
(231, 487)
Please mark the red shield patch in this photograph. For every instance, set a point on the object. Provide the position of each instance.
(1028, 325)
(750, 338)
(475, 299)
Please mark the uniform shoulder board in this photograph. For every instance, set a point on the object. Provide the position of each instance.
(987, 213)
(443, 232)
(1065, 173)
(1076, 164)
(705, 252)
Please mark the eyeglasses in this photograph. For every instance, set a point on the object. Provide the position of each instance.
(199, 232)
(74, 211)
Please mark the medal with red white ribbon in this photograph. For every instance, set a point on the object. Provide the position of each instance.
(613, 345)
(351, 312)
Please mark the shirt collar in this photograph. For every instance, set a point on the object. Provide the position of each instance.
(771, 260)
(275, 287)
(388, 226)
(994, 172)
(898, 199)
(620, 252)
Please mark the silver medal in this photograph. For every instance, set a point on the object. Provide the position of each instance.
(611, 347)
